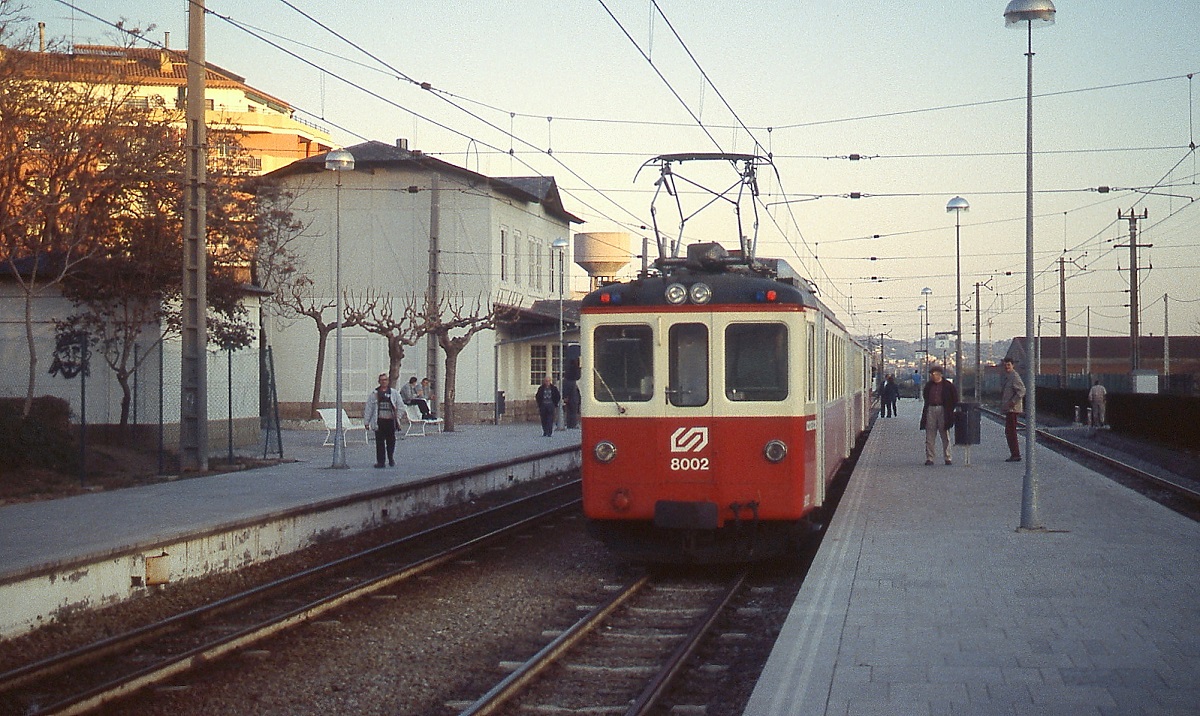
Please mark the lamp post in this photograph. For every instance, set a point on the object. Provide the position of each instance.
(1029, 12)
(925, 337)
(958, 205)
(338, 161)
(560, 248)
(921, 339)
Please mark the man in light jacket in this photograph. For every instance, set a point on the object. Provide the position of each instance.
(380, 415)
(1012, 404)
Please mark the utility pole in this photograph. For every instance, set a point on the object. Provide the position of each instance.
(1166, 337)
(431, 298)
(1135, 354)
(1062, 321)
(193, 405)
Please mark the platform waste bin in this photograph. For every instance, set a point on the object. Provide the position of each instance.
(966, 424)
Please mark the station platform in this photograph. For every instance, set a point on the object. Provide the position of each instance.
(92, 549)
(926, 599)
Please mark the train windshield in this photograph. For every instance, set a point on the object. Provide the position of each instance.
(756, 361)
(688, 379)
(624, 363)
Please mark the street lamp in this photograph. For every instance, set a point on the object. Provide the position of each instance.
(925, 339)
(1029, 12)
(958, 205)
(338, 161)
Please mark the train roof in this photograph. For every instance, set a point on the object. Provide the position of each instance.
(733, 280)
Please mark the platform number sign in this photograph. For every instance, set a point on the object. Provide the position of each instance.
(689, 440)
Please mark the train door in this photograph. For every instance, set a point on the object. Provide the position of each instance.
(686, 448)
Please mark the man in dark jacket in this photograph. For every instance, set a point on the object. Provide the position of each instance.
(941, 397)
(547, 399)
(888, 397)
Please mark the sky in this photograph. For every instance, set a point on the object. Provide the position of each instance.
(931, 101)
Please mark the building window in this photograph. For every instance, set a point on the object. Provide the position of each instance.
(557, 364)
(537, 364)
(550, 276)
(516, 257)
(503, 254)
(535, 260)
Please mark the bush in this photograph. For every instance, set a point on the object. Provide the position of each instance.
(45, 439)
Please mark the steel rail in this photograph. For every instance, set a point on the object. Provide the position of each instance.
(515, 682)
(674, 665)
(127, 684)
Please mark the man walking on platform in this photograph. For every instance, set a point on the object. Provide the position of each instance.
(941, 397)
(1012, 404)
(380, 417)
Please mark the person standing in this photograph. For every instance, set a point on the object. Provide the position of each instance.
(1097, 397)
(889, 396)
(571, 400)
(380, 417)
(547, 399)
(410, 394)
(1012, 404)
(941, 397)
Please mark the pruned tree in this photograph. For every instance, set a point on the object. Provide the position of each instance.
(377, 312)
(453, 324)
(298, 298)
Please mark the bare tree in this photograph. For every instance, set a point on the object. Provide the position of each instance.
(64, 174)
(453, 325)
(377, 313)
(298, 298)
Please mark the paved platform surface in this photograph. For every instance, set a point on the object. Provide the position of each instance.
(926, 599)
(36, 534)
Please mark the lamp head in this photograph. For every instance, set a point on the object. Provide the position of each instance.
(1035, 12)
(958, 204)
(339, 160)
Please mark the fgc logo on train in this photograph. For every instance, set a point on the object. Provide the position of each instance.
(689, 440)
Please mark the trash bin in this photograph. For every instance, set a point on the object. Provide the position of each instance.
(966, 424)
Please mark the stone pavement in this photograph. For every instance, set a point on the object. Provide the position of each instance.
(926, 599)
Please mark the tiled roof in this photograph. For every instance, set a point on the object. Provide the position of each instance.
(133, 65)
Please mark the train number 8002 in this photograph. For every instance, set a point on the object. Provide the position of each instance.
(689, 463)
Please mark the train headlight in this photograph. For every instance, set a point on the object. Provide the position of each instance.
(676, 294)
(700, 293)
(605, 451)
(775, 451)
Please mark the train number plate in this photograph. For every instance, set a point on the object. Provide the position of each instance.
(689, 463)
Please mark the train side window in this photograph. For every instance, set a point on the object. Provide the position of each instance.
(624, 363)
(688, 373)
(756, 361)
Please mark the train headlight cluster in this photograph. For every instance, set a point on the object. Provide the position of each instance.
(676, 293)
(775, 451)
(605, 451)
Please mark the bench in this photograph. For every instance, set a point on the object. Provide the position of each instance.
(417, 424)
(329, 415)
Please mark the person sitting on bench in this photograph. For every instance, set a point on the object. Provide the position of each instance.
(410, 394)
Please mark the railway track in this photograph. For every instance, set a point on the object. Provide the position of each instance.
(105, 671)
(622, 656)
(1180, 487)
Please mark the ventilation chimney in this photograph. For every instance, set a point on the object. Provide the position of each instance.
(41, 37)
(167, 40)
(402, 143)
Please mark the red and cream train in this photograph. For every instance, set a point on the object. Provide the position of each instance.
(720, 396)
